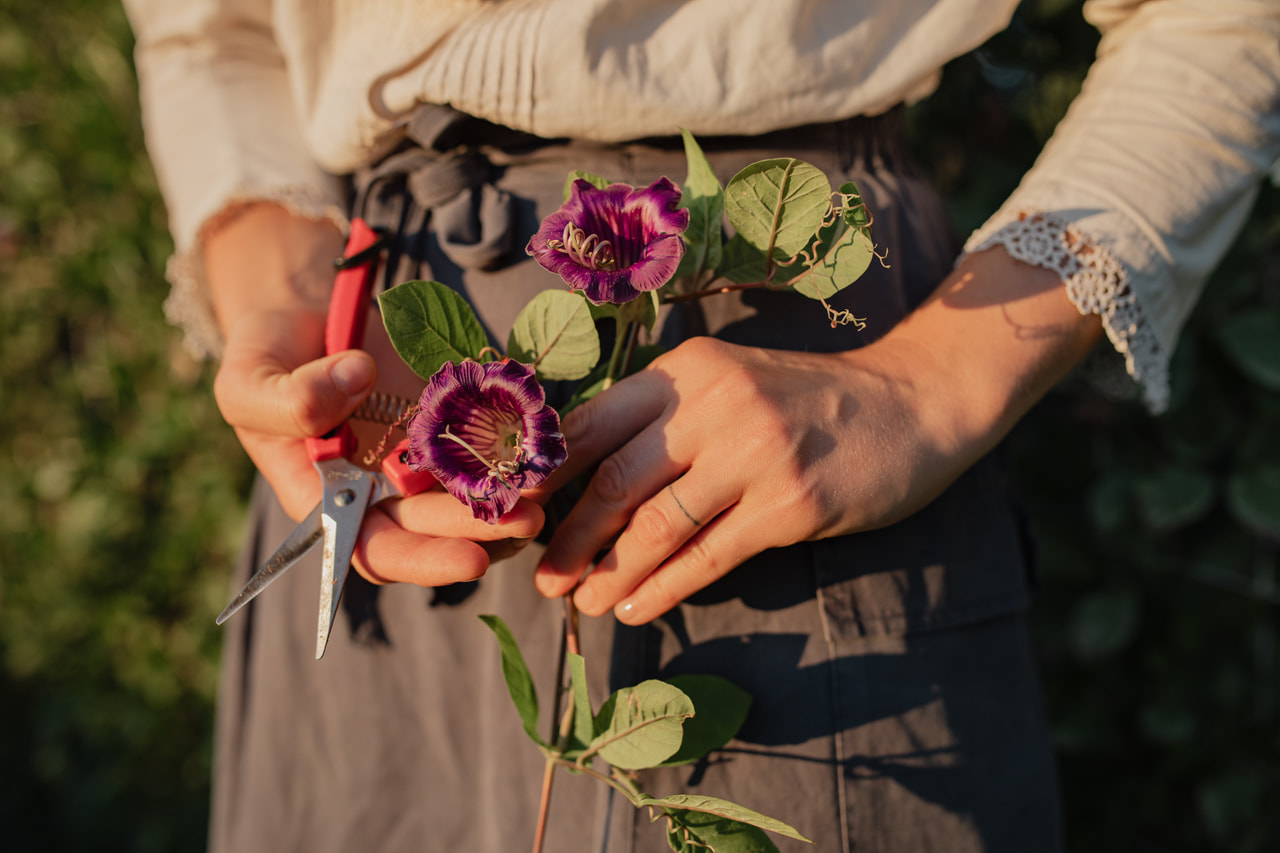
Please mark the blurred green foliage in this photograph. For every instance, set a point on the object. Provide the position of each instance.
(123, 491)
(1156, 538)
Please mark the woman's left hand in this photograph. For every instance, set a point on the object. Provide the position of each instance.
(716, 452)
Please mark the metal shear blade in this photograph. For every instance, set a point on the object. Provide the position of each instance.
(303, 539)
(347, 490)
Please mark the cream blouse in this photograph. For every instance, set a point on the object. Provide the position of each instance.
(1137, 196)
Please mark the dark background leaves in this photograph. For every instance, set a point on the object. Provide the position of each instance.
(123, 491)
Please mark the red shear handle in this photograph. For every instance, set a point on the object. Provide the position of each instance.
(396, 467)
(344, 328)
(349, 303)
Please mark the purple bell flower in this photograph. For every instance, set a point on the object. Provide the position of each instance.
(485, 432)
(615, 243)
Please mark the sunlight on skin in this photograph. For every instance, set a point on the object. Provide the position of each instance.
(903, 418)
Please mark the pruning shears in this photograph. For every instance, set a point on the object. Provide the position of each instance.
(349, 490)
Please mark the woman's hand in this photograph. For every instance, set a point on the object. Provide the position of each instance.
(717, 452)
(270, 275)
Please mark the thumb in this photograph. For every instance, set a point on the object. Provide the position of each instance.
(266, 384)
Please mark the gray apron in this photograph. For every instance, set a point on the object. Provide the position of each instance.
(896, 706)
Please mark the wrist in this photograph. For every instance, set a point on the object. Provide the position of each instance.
(992, 340)
(264, 258)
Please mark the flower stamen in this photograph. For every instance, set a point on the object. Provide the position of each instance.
(585, 249)
(503, 468)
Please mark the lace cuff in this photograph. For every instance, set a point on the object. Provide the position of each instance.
(188, 305)
(1096, 283)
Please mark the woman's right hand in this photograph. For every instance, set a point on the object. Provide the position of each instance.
(270, 275)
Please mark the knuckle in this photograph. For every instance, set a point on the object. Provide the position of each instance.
(700, 561)
(612, 481)
(307, 413)
(581, 421)
(651, 526)
(660, 590)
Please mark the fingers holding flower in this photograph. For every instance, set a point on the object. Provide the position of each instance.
(718, 452)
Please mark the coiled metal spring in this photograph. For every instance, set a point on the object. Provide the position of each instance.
(382, 408)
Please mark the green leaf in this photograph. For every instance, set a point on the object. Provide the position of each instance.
(841, 254)
(724, 809)
(429, 325)
(641, 726)
(778, 205)
(720, 708)
(519, 682)
(594, 383)
(606, 311)
(1174, 497)
(584, 730)
(699, 832)
(1108, 501)
(643, 310)
(1253, 342)
(1104, 623)
(1254, 498)
(741, 262)
(703, 197)
(855, 212)
(579, 175)
(556, 334)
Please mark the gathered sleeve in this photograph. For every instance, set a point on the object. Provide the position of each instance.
(1153, 170)
(222, 130)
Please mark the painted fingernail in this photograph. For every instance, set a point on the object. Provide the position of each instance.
(352, 375)
(626, 612)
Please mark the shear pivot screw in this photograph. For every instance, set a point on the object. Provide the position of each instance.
(344, 497)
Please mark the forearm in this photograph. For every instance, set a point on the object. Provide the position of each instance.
(265, 259)
(995, 336)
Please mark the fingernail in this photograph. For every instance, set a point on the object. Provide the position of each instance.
(627, 613)
(352, 375)
(584, 598)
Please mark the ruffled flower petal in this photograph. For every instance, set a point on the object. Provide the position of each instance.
(614, 243)
(485, 432)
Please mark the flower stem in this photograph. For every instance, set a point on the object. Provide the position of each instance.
(631, 348)
(569, 643)
(615, 358)
(728, 288)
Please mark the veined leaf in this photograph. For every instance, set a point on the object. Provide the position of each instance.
(703, 197)
(583, 722)
(719, 709)
(841, 251)
(724, 809)
(641, 726)
(516, 673)
(429, 325)
(556, 334)
(741, 262)
(778, 205)
(594, 383)
(643, 310)
(699, 832)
